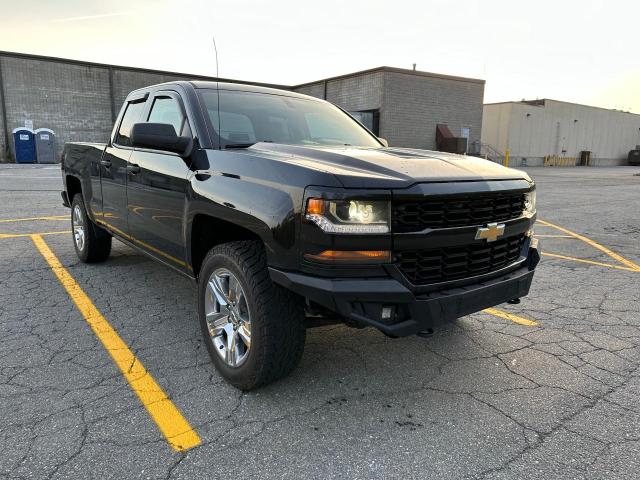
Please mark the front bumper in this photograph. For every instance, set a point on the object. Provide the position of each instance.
(362, 299)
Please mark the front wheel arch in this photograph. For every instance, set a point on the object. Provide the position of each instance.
(208, 231)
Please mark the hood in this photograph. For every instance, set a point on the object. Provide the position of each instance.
(359, 167)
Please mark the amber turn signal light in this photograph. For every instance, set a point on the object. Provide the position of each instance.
(351, 256)
(315, 206)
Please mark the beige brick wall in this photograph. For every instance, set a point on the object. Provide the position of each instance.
(414, 104)
(410, 104)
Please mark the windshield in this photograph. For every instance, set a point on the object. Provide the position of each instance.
(248, 117)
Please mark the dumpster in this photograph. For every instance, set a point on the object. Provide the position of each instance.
(45, 145)
(25, 145)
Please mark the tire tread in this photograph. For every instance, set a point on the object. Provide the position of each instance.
(98, 241)
(280, 311)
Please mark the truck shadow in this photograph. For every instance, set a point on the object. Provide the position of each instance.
(160, 321)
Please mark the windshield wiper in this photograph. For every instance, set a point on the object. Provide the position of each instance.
(246, 145)
(239, 145)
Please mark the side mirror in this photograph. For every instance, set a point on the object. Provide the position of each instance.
(160, 136)
(383, 141)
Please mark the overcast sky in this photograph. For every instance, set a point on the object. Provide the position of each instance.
(580, 51)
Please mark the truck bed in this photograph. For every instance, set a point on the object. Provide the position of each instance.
(80, 159)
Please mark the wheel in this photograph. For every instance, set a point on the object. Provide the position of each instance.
(92, 243)
(254, 330)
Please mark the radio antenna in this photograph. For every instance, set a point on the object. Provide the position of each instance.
(215, 49)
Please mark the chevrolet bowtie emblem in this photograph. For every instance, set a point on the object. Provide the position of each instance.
(491, 232)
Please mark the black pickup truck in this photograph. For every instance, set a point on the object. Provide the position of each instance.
(287, 213)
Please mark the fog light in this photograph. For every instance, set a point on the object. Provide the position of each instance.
(387, 312)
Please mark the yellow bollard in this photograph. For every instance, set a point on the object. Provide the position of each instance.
(506, 157)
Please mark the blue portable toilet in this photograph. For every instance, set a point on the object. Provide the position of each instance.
(25, 145)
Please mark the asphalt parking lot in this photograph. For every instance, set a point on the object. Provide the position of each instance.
(548, 388)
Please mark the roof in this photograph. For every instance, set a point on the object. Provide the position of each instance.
(84, 63)
(407, 71)
(542, 101)
(234, 81)
(251, 87)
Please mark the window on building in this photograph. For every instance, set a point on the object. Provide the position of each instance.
(368, 118)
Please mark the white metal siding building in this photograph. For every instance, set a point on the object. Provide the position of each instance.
(533, 130)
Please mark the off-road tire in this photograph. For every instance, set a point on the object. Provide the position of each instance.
(96, 246)
(277, 316)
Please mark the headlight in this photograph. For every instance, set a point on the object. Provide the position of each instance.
(530, 202)
(349, 216)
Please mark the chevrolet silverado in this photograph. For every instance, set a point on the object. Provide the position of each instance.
(289, 213)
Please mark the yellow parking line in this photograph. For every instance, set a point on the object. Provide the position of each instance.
(54, 217)
(16, 235)
(590, 262)
(602, 248)
(511, 317)
(164, 413)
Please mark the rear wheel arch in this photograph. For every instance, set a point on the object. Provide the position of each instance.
(74, 186)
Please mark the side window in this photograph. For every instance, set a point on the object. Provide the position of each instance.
(167, 110)
(131, 115)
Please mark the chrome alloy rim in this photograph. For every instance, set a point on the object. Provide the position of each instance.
(78, 227)
(228, 319)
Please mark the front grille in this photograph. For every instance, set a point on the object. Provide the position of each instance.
(444, 264)
(446, 212)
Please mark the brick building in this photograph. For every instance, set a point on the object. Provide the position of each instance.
(79, 100)
(404, 106)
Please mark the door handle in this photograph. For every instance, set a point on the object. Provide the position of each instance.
(133, 169)
(105, 163)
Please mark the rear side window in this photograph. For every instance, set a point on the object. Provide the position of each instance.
(167, 110)
(132, 115)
